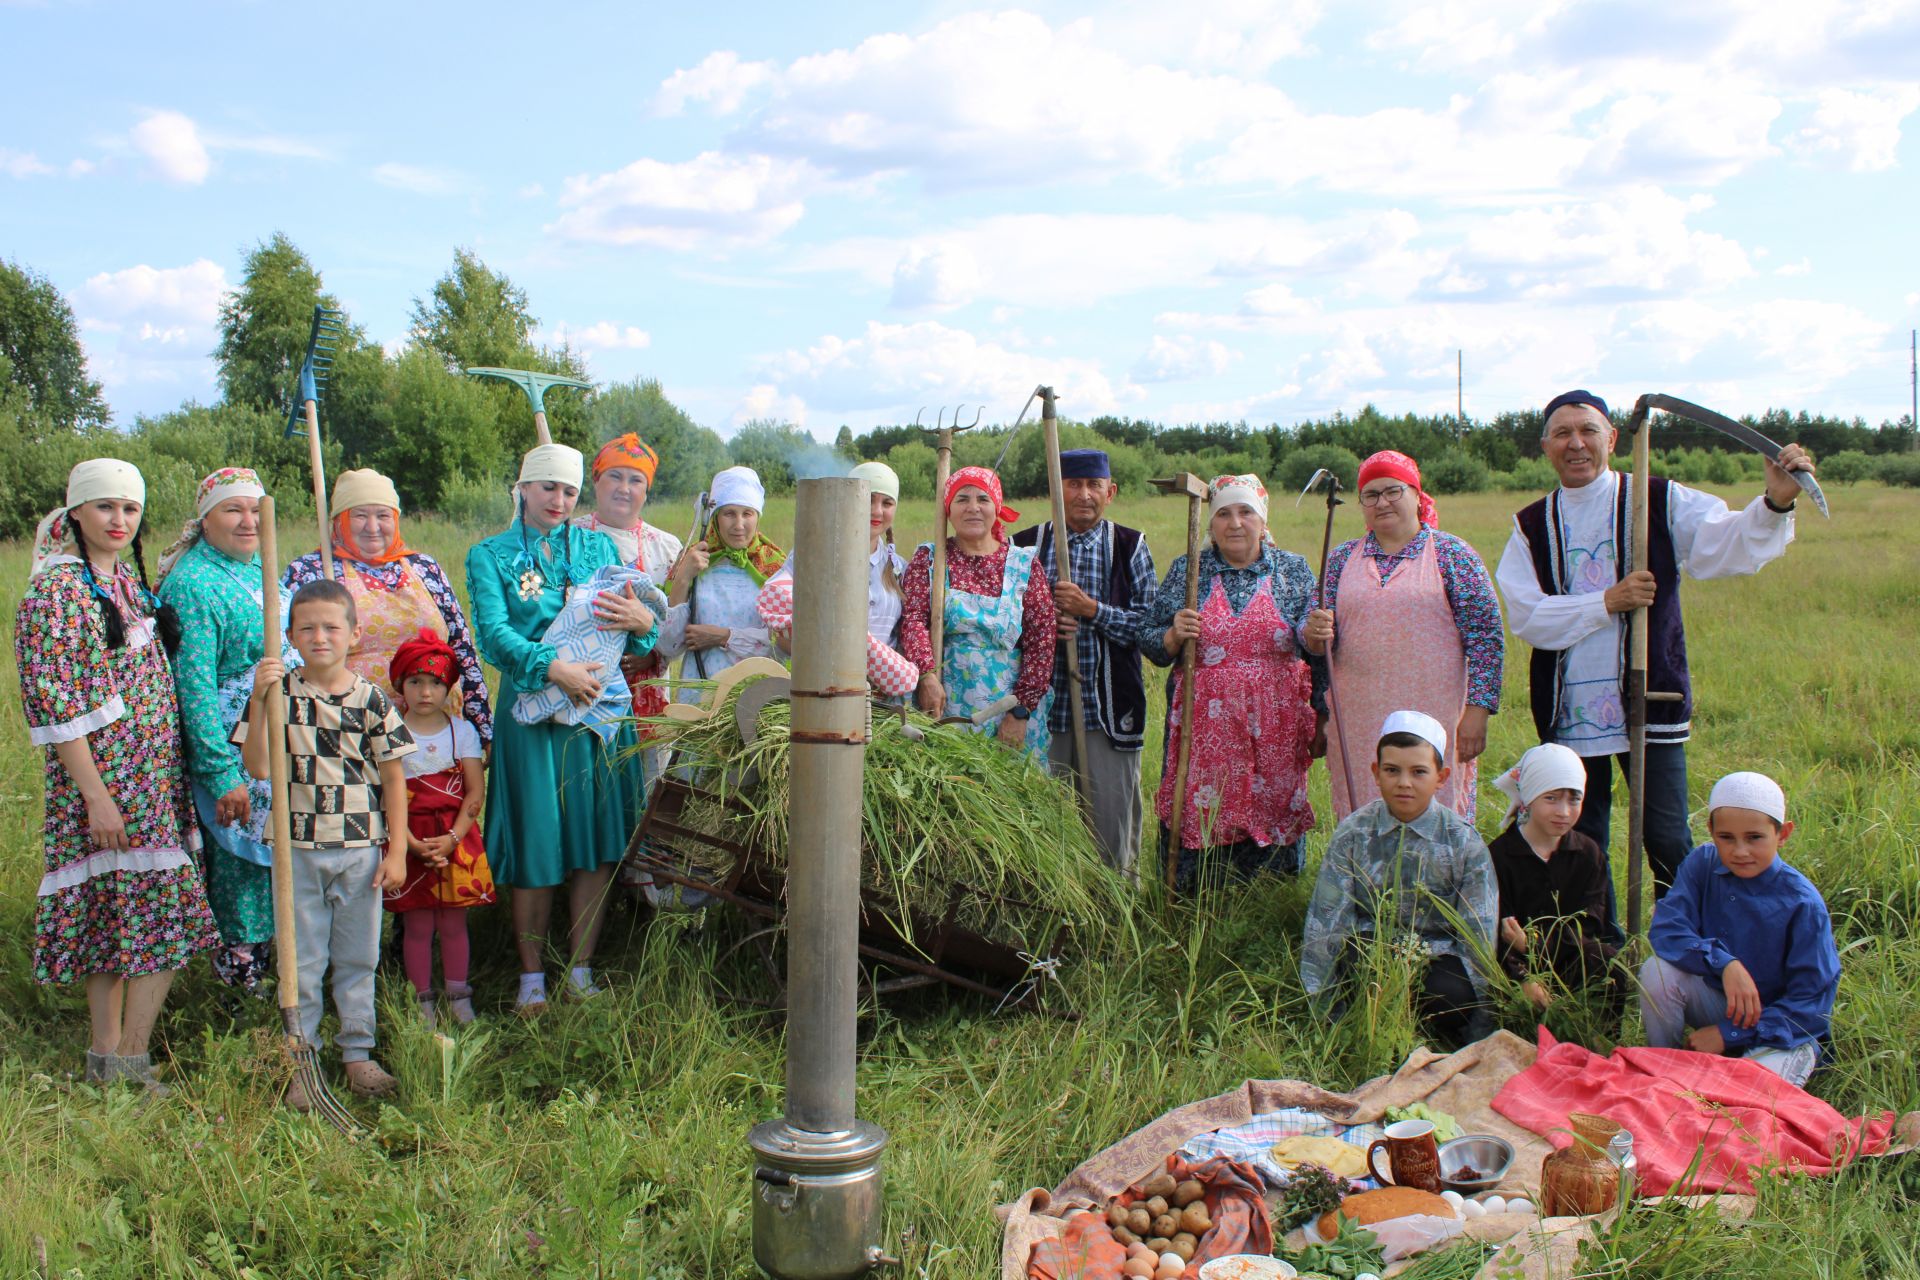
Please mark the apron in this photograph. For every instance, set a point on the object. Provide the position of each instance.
(1253, 736)
(981, 659)
(433, 805)
(388, 619)
(1398, 647)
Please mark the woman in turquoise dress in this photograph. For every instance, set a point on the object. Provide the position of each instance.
(565, 790)
(211, 577)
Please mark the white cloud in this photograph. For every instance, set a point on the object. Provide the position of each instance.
(712, 201)
(1274, 300)
(1800, 268)
(416, 179)
(1182, 358)
(171, 144)
(767, 403)
(22, 164)
(720, 80)
(601, 336)
(149, 330)
(167, 297)
(937, 277)
(1858, 131)
(899, 367)
(1803, 345)
(531, 191)
(1246, 36)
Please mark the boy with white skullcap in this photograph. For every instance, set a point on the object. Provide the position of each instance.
(1435, 866)
(1553, 881)
(1743, 946)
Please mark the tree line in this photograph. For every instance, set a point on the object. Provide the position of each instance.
(451, 443)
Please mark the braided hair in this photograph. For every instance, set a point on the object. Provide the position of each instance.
(165, 619)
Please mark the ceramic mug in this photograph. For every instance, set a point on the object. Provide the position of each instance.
(1412, 1155)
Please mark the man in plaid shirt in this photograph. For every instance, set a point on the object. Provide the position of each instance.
(1100, 611)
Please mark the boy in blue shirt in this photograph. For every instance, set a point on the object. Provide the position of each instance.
(1743, 946)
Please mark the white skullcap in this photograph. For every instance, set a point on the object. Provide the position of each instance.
(1755, 791)
(1421, 726)
(1227, 490)
(1547, 767)
(98, 478)
(368, 488)
(879, 477)
(559, 463)
(737, 487)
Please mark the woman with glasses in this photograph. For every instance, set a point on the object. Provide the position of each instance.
(1418, 627)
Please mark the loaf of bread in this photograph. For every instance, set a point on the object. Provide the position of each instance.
(1370, 1207)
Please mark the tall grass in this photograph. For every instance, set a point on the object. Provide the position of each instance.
(610, 1138)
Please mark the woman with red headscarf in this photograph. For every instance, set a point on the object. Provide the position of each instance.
(396, 590)
(999, 622)
(1418, 628)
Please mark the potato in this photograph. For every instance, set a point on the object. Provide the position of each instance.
(1139, 1267)
(1117, 1214)
(1166, 1225)
(1187, 1192)
(1186, 1245)
(1194, 1218)
(1157, 1205)
(1125, 1236)
(1138, 1250)
(1160, 1184)
(1170, 1272)
(1160, 1246)
(1139, 1221)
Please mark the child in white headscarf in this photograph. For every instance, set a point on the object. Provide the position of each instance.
(1553, 881)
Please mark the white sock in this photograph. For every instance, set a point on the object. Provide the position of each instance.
(581, 976)
(533, 987)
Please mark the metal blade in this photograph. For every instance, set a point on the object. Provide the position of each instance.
(1745, 434)
(1318, 476)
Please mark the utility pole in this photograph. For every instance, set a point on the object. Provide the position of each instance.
(1459, 388)
(1913, 413)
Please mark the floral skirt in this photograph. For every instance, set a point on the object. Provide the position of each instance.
(126, 923)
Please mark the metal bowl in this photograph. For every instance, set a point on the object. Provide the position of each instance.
(1485, 1154)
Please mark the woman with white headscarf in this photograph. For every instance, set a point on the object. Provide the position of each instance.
(210, 576)
(714, 618)
(563, 792)
(121, 905)
(1553, 881)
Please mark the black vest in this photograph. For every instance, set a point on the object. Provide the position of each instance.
(1119, 694)
(1540, 525)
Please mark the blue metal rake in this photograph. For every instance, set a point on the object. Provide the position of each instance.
(535, 385)
(303, 411)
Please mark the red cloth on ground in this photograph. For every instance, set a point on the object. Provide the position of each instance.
(1738, 1117)
(1234, 1202)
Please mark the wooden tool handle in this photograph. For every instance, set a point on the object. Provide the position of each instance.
(319, 468)
(937, 576)
(1189, 659)
(286, 958)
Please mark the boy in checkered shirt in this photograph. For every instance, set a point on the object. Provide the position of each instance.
(347, 807)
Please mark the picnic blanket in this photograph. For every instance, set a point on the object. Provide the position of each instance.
(1701, 1122)
(1087, 1249)
(577, 636)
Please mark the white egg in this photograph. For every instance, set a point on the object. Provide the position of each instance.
(1518, 1205)
(1453, 1198)
(1472, 1208)
(1173, 1260)
(1494, 1204)
(1366, 1275)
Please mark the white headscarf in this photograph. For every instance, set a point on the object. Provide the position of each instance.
(1547, 767)
(90, 481)
(1225, 491)
(216, 488)
(1755, 791)
(880, 479)
(557, 463)
(738, 487)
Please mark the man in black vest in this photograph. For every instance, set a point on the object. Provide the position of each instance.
(1113, 584)
(1566, 597)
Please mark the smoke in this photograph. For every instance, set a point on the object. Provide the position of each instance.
(815, 462)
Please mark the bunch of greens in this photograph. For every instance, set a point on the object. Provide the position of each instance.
(1353, 1251)
(1312, 1191)
(1445, 1127)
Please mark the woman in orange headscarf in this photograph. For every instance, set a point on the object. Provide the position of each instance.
(397, 591)
(623, 473)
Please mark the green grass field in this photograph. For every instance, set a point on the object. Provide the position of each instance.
(610, 1139)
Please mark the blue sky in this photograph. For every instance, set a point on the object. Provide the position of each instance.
(1218, 209)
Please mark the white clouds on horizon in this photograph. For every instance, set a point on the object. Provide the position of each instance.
(152, 328)
(713, 201)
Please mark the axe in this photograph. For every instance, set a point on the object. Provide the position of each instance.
(1196, 491)
(1326, 547)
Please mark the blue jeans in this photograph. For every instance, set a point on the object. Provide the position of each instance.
(1668, 837)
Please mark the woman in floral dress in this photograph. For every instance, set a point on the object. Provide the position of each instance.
(210, 577)
(120, 904)
(396, 590)
(1254, 693)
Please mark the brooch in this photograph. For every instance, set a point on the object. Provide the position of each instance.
(531, 584)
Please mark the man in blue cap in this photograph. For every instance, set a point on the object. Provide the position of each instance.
(1567, 597)
(1100, 611)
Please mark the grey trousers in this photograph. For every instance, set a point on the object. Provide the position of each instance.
(1671, 1000)
(1113, 781)
(336, 920)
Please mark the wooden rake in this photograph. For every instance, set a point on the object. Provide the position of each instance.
(304, 1057)
(1195, 490)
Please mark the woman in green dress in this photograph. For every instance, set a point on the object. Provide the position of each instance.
(565, 789)
(211, 577)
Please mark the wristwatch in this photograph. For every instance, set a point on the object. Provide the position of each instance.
(1020, 713)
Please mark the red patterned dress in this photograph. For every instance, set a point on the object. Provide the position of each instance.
(131, 911)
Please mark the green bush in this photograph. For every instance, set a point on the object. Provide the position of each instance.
(476, 502)
(1300, 465)
(1724, 468)
(913, 462)
(1902, 469)
(1850, 466)
(1456, 472)
(1529, 475)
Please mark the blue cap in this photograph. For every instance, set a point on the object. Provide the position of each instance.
(1084, 464)
(1566, 398)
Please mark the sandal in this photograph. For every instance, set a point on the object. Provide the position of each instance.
(366, 1079)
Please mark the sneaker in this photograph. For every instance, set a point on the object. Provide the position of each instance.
(460, 1001)
(367, 1079)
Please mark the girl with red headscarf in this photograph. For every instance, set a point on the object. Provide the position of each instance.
(446, 861)
(998, 630)
(1418, 627)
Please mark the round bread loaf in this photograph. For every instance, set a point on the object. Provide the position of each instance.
(1370, 1207)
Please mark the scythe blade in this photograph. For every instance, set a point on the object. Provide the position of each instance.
(1739, 431)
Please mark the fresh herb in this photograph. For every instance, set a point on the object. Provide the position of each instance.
(1312, 1191)
(1352, 1251)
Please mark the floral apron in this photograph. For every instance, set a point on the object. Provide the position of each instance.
(388, 619)
(982, 650)
(1253, 736)
(433, 805)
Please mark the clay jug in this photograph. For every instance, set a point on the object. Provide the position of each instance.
(1580, 1179)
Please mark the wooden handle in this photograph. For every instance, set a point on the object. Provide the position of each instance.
(1642, 484)
(540, 426)
(286, 958)
(937, 578)
(1189, 659)
(1063, 575)
(319, 468)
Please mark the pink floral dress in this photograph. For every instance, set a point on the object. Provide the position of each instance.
(128, 911)
(1253, 734)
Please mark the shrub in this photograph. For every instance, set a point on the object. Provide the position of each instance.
(1849, 466)
(1724, 468)
(482, 502)
(1456, 472)
(1300, 464)
(1902, 469)
(1529, 475)
(913, 462)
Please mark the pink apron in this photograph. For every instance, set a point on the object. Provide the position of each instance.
(387, 620)
(1252, 704)
(1397, 648)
